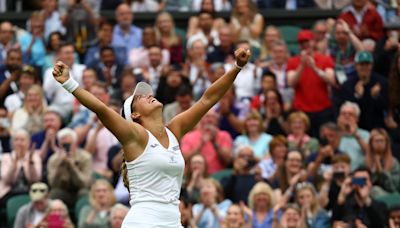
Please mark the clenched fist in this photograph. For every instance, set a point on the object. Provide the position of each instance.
(61, 72)
(242, 56)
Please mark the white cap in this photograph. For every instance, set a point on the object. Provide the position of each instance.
(142, 88)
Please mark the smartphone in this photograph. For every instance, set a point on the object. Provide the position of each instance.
(359, 181)
(67, 147)
(55, 221)
(338, 175)
(323, 141)
(251, 164)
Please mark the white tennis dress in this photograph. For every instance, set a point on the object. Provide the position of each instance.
(155, 180)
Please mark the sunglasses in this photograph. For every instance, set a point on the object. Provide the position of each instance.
(42, 190)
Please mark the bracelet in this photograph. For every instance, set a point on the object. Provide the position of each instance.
(237, 66)
(70, 85)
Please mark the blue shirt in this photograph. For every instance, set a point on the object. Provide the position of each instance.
(260, 147)
(350, 146)
(38, 50)
(267, 223)
(130, 41)
(208, 220)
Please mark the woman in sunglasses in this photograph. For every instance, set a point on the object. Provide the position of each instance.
(154, 163)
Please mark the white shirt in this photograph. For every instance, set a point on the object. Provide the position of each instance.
(14, 101)
(219, 5)
(145, 6)
(247, 82)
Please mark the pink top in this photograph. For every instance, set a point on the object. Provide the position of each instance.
(104, 141)
(192, 141)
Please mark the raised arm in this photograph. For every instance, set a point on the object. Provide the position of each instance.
(124, 131)
(186, 121)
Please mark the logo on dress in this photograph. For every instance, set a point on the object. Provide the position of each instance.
(154, 145)
(172, 159)
(175, 148)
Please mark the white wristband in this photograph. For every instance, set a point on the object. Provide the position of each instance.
(237, 66)
(70, 85)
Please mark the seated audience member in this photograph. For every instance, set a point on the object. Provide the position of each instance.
(197, 172)
(222, 52)
(384, 167)
(57, 215)
(5, 137)
(214, 144)
(30, 115)
(268, 81)
(238, 216)
(299, 124)
(157, 62)
(306, 197)
(20, 168)
(394, 216)
(102, 199)
(354, 204)
(278, 148)
(238, 185)
(9, 73)
(69, 169)
(354, 139)
(254, 135)
(170, 80)
(274, 114)
(262, 202)
(34, 212)
(117, 215)
(183, 101)
(291, 218)
(127, 82)
(212, 207)
(53, 43)
(269, 38)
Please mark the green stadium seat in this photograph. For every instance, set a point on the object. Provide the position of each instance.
(221, 174)
(13, 205)
(389, 199)
(289, 35)
(82, 201)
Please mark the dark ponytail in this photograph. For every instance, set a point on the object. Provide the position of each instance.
(124, 173)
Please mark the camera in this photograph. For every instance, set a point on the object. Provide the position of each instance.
(67, 147)
(359, 181)
(251, 164)
(339, 175)
(323, 141)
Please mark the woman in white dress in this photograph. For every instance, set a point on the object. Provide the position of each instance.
(153, 160)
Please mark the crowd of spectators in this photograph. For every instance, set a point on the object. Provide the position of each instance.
(306, 137)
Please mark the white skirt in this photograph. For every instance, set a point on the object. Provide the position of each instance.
(153, 215)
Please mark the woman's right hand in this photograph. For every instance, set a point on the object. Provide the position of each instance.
(61, 72)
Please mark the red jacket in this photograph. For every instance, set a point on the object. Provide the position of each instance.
(371, 25)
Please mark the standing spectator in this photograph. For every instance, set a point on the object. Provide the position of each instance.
(354, 139)
(33, 213)
(268, 82)
(101, 198)
(6, 40)
(363, 19)
(271, 36)
(9, 73)
(320, 31)
(354, 204)
(69, 169)
(214, 144)
(278, 148)
(19, 169)
(52, 18)
(247, 22)
(369, 90)
(311, 70)
(167, 37)
(125, 34)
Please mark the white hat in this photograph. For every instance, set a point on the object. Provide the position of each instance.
(142, 88)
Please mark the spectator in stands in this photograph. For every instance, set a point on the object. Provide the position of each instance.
(354, 202)
(101, 198)
(363, 19)
(271, 36)
(56, 95)
(89, 77)
(44, 140)
(197, 172)
(262, 202)
(52, 18)
(9, 73)
(141, 57)
(238, 185)
(206, 30)
(328, 4)
(125, 34)
(313, 215)
(385, 51)
(69, 169)
(268, 81)
(94, 5)
(143, 6)
(157, 61)
(171, 79)
(394, 216)
(167, 37)
(175, 5)
(56, 215)
(104, 38)
(278, 148)
(54, 42)
(4, 131)
(354, 139)
(291, 217)
(19, 168)
(311, 70)
(369, 90)
(384, 167)
(127, 82)
(320, 32)
(223, 51)
(214, 144)
(33, 44)
(117, 215)
(25, 80)
(298, 138)
(392, 119)
(286, 4)
(33, 213)
(247, 22)
(212, 207)
(184, 100)
(6, 40)
(30, 115)
(254, 135)
(235, 217)
(274, 116)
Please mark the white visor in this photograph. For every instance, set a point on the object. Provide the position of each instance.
(142, 88)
